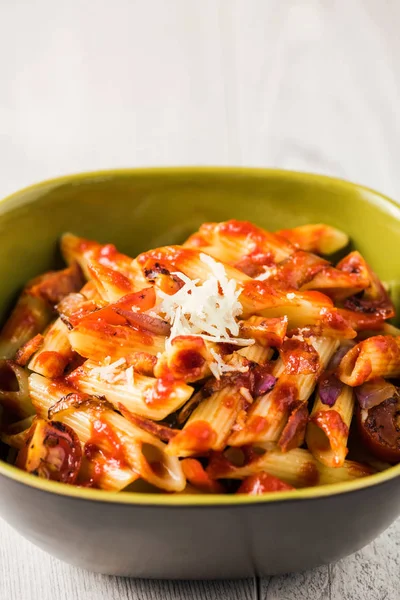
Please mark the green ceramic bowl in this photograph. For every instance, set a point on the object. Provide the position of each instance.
(188, 537)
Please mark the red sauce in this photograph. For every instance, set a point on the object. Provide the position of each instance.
(299, 357)
(257, 425)
(300, 268)
(163, 388)
(219, 466)
(286, 394)
(197, 437)
(229, 402)
(128, 334)
(106, 314)
(335, 320)
(188, 357)
(262, 483)
(103, 450)
(309, 474)
(294, 431)
(53, 363)
(84, 246)
(199, 478)
(25, 353)
(118, 280)
(169, 257)
(333, 426)
(109, 251)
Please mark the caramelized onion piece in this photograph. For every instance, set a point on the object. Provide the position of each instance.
(159, 430)
(77, 401)
(53, 451)
(143, 321)
(374, 392)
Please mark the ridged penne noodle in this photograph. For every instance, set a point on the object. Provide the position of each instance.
(185, 260)
(143, 454)
(256, 353)
(110, 284)
(257, 297)
(55, 353)
(266, 332)
(337, 284)
(84, 252)
(297, 467)
(377, 356)
(29, 317)
(209, 425)
(375, 299)
(138, 394)
(234, 240)
(328, 428)
(321, 238)
(269, 413)
(98, 339)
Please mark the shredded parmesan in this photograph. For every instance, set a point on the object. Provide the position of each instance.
(220, 367)
(130, 377)
(115, 372)
(206, 309)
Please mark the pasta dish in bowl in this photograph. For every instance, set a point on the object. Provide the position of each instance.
(209, 390)
(230, 364)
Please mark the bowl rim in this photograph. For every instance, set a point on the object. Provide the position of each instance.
(191, 500)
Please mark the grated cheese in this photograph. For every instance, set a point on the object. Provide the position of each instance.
(205, 309)
(220, 367)
(115, 372)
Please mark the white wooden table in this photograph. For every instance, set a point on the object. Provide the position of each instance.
(307, 84)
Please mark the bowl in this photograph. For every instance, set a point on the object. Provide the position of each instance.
(190, 536)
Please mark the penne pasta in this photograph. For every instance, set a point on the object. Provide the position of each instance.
(269, 414)
(29, 317)
(233, 240)
(139, 453)
(321, 238)
(328, 429)
(82, 251)
(98, 339)
(377, 356)
(297, 468)
(55, 352)
(209, 425)
(137, 394)
(195, 364)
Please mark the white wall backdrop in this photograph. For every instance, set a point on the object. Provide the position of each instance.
(304, 84)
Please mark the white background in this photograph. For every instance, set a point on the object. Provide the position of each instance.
(308, 84)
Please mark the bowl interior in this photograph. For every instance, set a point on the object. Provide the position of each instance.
(141, 209)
